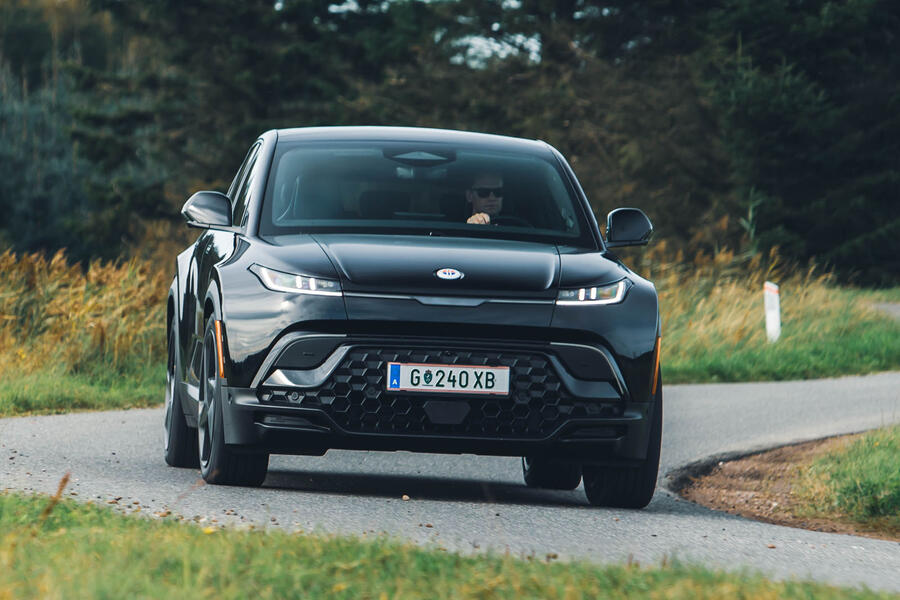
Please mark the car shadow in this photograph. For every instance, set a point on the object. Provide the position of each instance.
(420, 488)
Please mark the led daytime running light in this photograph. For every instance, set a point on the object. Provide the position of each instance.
(601, 294)
(296, 284)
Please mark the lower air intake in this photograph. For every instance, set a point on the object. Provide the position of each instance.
(355, 397)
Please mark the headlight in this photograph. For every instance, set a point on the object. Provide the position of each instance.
(601, 294)
(296, 284)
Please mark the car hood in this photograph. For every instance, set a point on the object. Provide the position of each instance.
(409, 264)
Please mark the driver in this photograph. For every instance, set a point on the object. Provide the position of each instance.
(486, 198)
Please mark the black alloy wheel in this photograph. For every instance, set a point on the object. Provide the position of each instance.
(629, 487)
(541, 473)
(180, 441)
(218, 463)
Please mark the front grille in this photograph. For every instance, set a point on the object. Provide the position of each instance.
(355, 396)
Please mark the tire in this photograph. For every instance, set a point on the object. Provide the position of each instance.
(628, 487)
(218, 463)
(180, 441)
(549, 475)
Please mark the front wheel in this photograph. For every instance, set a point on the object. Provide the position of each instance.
(628, 487)
(218, 463)
(180, 441)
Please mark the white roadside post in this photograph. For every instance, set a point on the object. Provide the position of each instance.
(773, 311)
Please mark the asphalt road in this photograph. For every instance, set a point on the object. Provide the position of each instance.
(470, 503)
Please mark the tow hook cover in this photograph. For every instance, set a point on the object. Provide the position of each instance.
(446, 412)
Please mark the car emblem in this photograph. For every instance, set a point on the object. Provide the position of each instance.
(449, 274)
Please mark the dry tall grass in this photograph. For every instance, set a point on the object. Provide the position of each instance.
(708, 301)
(59, 315)
(105, 322)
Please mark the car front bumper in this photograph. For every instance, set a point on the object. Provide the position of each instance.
(317, 392)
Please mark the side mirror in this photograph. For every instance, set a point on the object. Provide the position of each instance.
(627, 227)
(207, 210)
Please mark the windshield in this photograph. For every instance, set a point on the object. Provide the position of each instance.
(420, 188)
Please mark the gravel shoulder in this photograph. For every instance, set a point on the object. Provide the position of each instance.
(760, 487)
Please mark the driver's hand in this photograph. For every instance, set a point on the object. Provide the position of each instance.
(479, 219)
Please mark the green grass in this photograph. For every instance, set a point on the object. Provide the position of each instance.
(885, 295)
(860, 482)
(826, 332)
(80, 551)
(56, 391)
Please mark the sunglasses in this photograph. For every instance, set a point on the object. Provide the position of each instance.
(485, 192)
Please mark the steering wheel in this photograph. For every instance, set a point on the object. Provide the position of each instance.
(510, 220)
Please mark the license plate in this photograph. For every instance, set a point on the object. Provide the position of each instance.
(468, 379)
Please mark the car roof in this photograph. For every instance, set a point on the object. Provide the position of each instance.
(411, 134)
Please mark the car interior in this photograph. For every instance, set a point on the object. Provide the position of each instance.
(373, 188)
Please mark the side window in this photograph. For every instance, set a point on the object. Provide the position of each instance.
(236, 182)
(242, 185)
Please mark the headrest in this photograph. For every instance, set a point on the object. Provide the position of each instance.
(382, 204)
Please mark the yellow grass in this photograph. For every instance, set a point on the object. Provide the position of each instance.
(59, 315)
(94, 336)
(718, 299)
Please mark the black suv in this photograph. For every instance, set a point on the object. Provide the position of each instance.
(381, 288)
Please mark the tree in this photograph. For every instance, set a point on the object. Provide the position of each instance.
(808, 93)
(41, 191)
